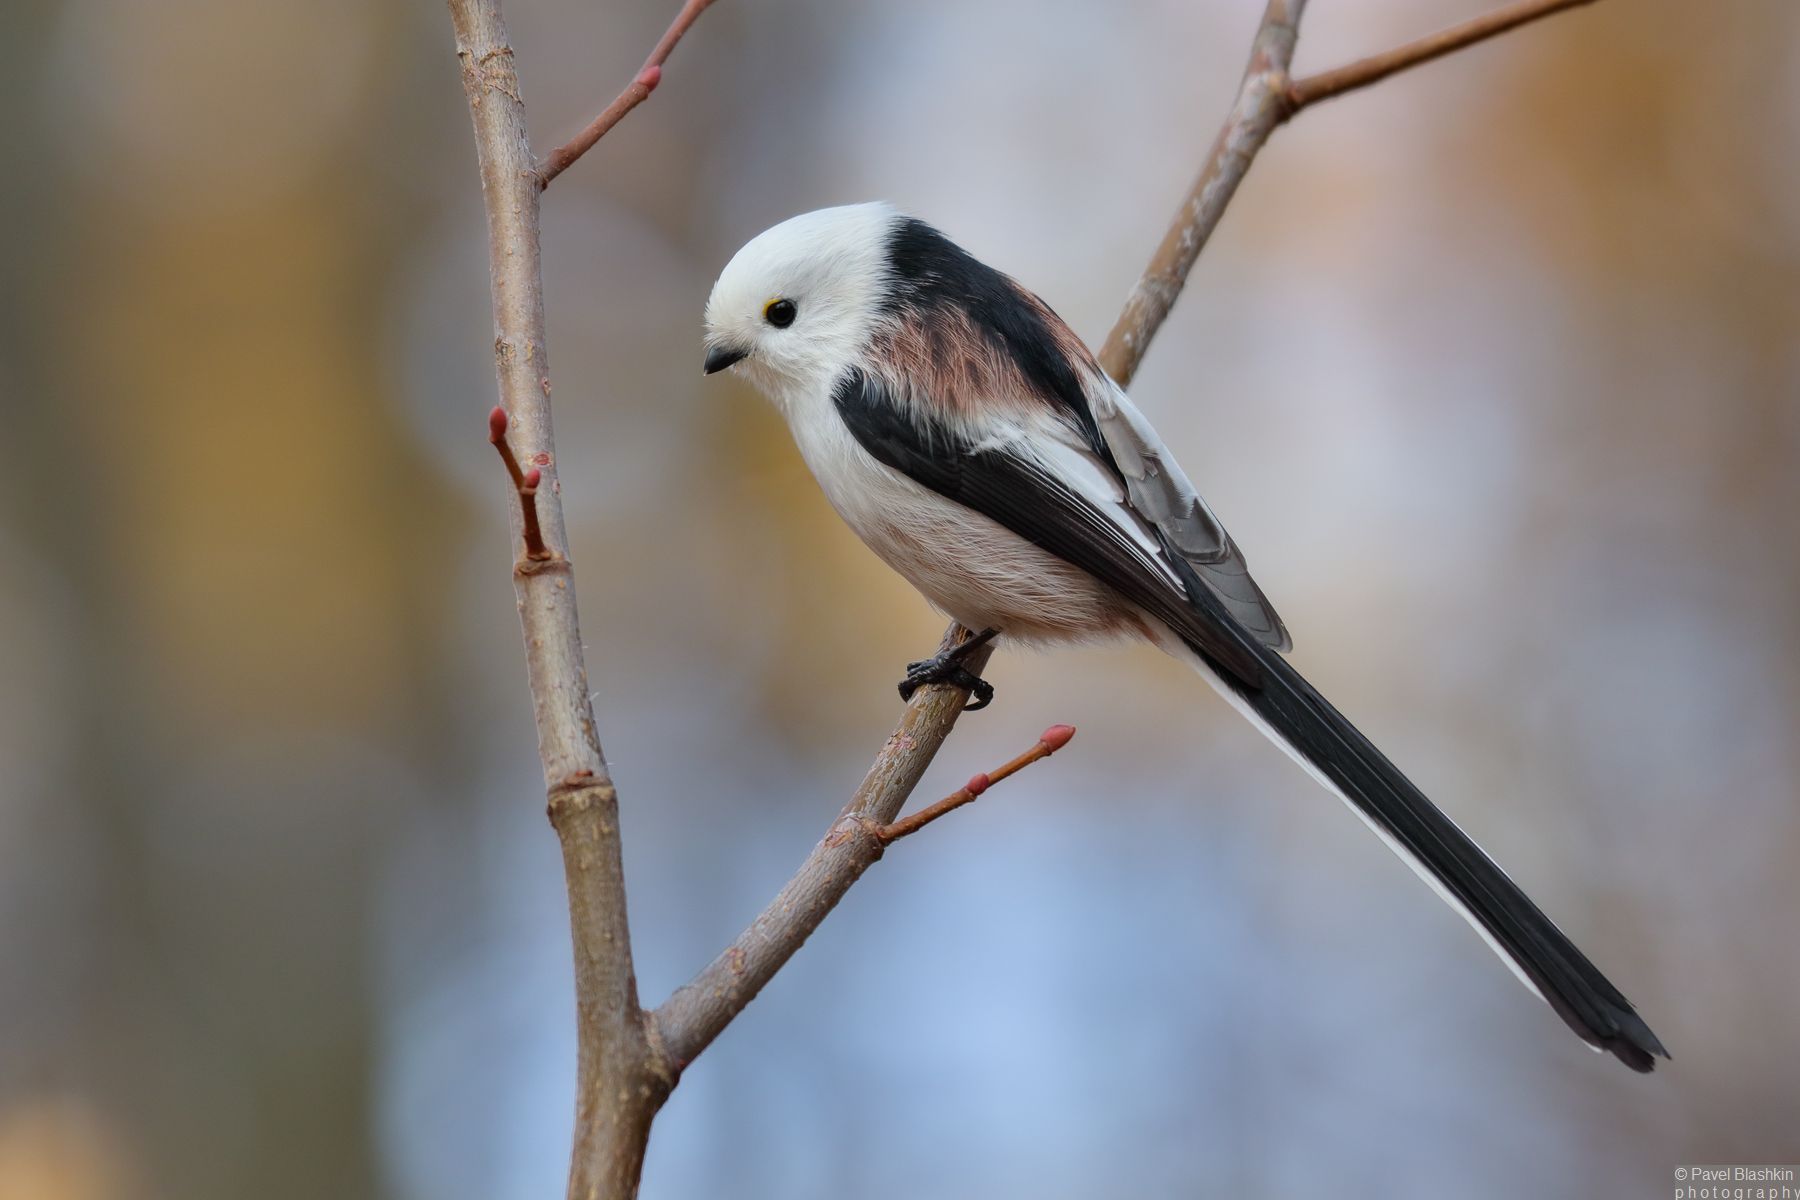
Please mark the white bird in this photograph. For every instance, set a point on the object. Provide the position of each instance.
(971, 440)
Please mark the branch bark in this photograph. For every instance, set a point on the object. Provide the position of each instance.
(621, 1081)
(1255, 114)
(700, 1010)
(1267, 99)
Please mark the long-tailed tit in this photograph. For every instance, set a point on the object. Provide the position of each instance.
(972, 441)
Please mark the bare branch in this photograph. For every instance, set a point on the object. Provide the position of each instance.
(1053, 739)
(1375, 68)
(701, 1009)
(635, 93)
(1266, 99)
(525, 483)
(1255, 114)
(621, 1084)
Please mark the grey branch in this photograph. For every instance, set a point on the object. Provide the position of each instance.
(621, 1082)
(699, 1011)
(1255, 114)
(1267, 98)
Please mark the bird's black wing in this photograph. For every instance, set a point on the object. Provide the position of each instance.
(1161, 495)
(1018, 491)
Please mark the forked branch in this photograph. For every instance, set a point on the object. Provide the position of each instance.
(1267, 98)
(1255, 114)
(701, 1009)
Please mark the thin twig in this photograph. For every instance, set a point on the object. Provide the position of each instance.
(620, 1083)
(635, 93)
(1375, 68)
(525, 483)
(1053, 739)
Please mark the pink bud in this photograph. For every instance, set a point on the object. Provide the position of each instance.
(977, 784)
(648, 78)
(497, 425)
(1056, 737)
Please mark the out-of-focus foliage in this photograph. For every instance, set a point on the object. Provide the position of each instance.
(1492, 370)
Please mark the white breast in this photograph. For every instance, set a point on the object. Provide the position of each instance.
(968, 566)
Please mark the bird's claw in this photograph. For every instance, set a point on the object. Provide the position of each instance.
(948, 668)
(955, 674)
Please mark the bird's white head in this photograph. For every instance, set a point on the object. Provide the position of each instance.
(802, 300)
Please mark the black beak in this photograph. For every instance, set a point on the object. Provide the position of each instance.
(720, 357)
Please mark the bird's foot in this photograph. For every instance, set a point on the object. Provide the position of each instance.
(948, 668)
(935, 671)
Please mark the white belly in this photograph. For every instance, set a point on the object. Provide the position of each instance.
(968, 566)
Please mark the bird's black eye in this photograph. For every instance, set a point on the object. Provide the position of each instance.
(780, 313)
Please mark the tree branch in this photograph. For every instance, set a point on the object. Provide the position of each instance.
(1375, 68)
(1053, 739)
(1255, 114)
(1266, 99)
(635, 93)
(621, 1084)
(700, 1010)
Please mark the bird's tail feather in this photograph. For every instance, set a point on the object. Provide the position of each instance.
(1301, 721)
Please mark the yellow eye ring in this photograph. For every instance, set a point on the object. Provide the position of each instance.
(780, 312)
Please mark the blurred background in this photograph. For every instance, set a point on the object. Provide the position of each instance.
(1493, 371)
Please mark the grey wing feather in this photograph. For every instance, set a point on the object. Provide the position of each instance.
(1160, 491)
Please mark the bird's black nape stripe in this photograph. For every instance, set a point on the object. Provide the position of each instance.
(932, 275)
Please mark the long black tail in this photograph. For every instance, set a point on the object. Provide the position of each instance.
(1293, 714)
